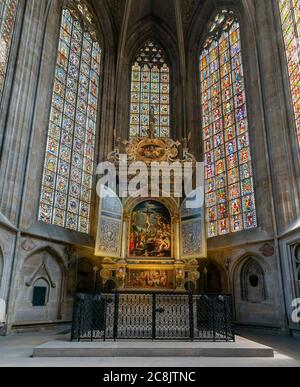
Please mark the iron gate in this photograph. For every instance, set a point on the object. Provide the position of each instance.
(152, 316)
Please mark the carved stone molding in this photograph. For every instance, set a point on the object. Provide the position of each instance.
(41, 272)
(28, 245)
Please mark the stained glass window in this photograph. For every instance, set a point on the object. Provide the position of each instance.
(69, 164)
(290, 18)
(230, 197)
(8, 11)
(150, 90)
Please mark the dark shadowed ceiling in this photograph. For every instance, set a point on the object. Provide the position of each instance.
(161, 9)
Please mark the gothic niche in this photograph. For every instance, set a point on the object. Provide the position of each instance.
(253, 282)
(41, 289)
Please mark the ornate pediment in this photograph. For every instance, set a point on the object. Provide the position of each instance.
(151, 150)
(41, 272)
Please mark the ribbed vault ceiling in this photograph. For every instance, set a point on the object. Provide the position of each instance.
(161, 9)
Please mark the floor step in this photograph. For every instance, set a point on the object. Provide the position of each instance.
(242, 348)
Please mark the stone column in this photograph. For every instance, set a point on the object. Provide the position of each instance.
(280, 132)
(18, 129)
(16, 144)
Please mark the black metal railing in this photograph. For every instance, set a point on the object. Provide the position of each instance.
(153, 316)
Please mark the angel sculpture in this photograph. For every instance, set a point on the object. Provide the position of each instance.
(129, 150)
(187, 156)
(115, 154)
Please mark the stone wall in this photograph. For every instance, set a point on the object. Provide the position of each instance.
(31, 251)
(7, 246)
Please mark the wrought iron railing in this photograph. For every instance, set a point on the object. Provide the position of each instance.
(152, 316)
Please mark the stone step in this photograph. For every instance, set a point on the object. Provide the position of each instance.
(242, 348)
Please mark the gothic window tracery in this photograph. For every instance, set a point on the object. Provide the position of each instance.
(150, 89)
(290, 22)
(230, 198)
(66, 194)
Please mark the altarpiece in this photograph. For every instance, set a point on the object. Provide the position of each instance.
(155, 243)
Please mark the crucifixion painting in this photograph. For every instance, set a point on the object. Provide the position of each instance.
(150, 232)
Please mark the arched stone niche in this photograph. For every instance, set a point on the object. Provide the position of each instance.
(253, 282)
(45, 270)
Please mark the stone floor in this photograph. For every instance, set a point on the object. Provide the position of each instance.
(16, 350)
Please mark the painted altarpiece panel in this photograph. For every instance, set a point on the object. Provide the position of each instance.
(150, 279)
(150, 231)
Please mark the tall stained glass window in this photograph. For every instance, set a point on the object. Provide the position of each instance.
(66, 194)
(8, 11)
(290, 18)
(150, 90)
(229, 181)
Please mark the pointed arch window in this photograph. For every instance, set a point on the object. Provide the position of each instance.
(230, 197)
(150, 90)
(66, 194)
(8, 12)
(290, 21)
